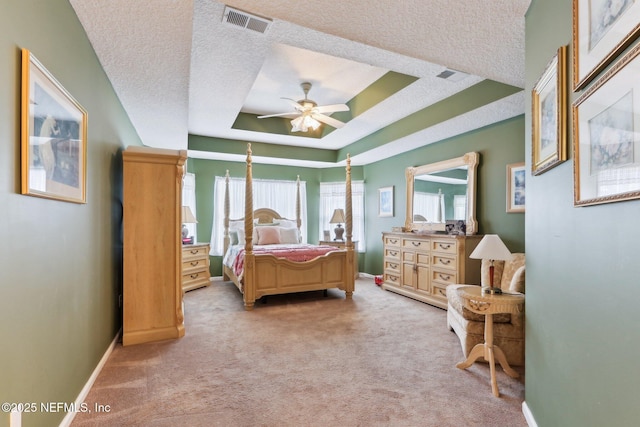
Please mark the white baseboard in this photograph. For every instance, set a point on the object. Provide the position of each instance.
(66, 422)
(528, 416)
(365, 276)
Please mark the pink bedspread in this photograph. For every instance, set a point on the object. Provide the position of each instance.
(296, 253)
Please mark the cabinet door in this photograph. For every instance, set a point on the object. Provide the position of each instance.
(422, 278)
(408, 275)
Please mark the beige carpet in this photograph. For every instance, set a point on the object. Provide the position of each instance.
(380, 359)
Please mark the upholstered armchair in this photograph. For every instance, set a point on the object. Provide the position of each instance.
(508, 329)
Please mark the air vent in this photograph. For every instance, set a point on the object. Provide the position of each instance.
(452, 75)
(241, 19)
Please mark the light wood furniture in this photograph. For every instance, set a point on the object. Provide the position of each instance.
(342, 245)
(488, 305)
(152, 247)
(265, 274)
(421, 266)
(195, 266)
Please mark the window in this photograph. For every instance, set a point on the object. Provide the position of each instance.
(332, 196)
(267, 193)
(189, 199)
(460, 207)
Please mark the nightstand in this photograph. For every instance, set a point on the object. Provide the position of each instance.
(195, 266)
(341, 244)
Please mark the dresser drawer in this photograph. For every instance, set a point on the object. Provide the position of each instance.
(392, 266)
(392, 254)
(444, 246)
(444, 277)
(439, 291)
(415, 244)
(392, 241)
(392, 278)
(195, 252)
(195, 265)
(441, 261)
(195, 279)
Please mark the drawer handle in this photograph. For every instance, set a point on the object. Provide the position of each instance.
(393, 278)
(393, 253)
(393, 240)
(394, 266)
(194, 251)
(416, 244)
(194, 263)
(442, 292)
(193, 276)
(443, 261)
(443, 277)
(445, 247)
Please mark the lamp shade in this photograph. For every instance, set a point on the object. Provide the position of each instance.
(187, 216)
(338, 217)
(491, 247)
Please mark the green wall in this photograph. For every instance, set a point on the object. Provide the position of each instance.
(499, 144)
(582, 277)
(60, 263)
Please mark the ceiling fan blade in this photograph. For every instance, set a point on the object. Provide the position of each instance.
(295, 104)
(333, 108)
(291, 113)
(328, 120)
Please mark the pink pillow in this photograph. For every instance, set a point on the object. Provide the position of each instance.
(268, 235)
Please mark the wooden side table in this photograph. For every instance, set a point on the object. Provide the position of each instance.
(475, 301)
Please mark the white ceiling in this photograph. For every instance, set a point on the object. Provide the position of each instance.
(179, 70)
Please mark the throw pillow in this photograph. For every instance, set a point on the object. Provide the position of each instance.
(268, 235)
(517, 281)
(233, 237)
(289, 235)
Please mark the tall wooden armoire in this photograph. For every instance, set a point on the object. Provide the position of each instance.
(152, 247)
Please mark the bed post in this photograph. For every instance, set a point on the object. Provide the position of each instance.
(226, 221)
(351, 268)
(249, 270)
(298, 220)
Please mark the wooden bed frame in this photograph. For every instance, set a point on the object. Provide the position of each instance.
(266, 274)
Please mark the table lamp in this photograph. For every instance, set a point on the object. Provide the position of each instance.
(338, 218)
(187, 218)
(491, 248)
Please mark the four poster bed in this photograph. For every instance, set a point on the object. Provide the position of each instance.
(277, 263)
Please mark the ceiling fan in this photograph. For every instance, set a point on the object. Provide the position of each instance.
(309, 113)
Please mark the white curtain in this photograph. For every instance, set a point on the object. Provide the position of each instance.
(332, 196)
(267, 193)
(189, 199)
(429, 205)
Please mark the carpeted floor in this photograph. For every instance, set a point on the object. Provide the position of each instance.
(380, 359)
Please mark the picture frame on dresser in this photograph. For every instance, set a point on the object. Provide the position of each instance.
(601, 31)
(606, 144)
(53, 136)
(549, 115)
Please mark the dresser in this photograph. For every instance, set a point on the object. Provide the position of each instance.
(152, 247)
(420, 266)
(195, 266)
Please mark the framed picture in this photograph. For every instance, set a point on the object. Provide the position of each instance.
(515, 187)
(601, 30)
(53, 137)
(549, 115)
(385, 204)
(606, 120)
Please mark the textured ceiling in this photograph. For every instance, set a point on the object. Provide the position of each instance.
(179, 70)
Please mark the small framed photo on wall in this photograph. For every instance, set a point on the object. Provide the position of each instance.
(385, 202)
(515, 187)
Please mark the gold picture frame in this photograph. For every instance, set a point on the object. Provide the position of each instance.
(606, 142)
(549, 115)
(516, 175)
(53, 136)
(601, 31)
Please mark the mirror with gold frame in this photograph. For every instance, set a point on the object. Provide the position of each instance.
(442, 193)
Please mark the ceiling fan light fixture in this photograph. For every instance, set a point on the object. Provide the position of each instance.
(303, 123)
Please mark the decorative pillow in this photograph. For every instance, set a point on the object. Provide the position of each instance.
(517, 281)
(289, 235)
(268, 235)
(286, 223)
(236, 225)
(240, 232)
(233, 237)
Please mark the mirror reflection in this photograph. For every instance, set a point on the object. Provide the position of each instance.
(440, 196)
